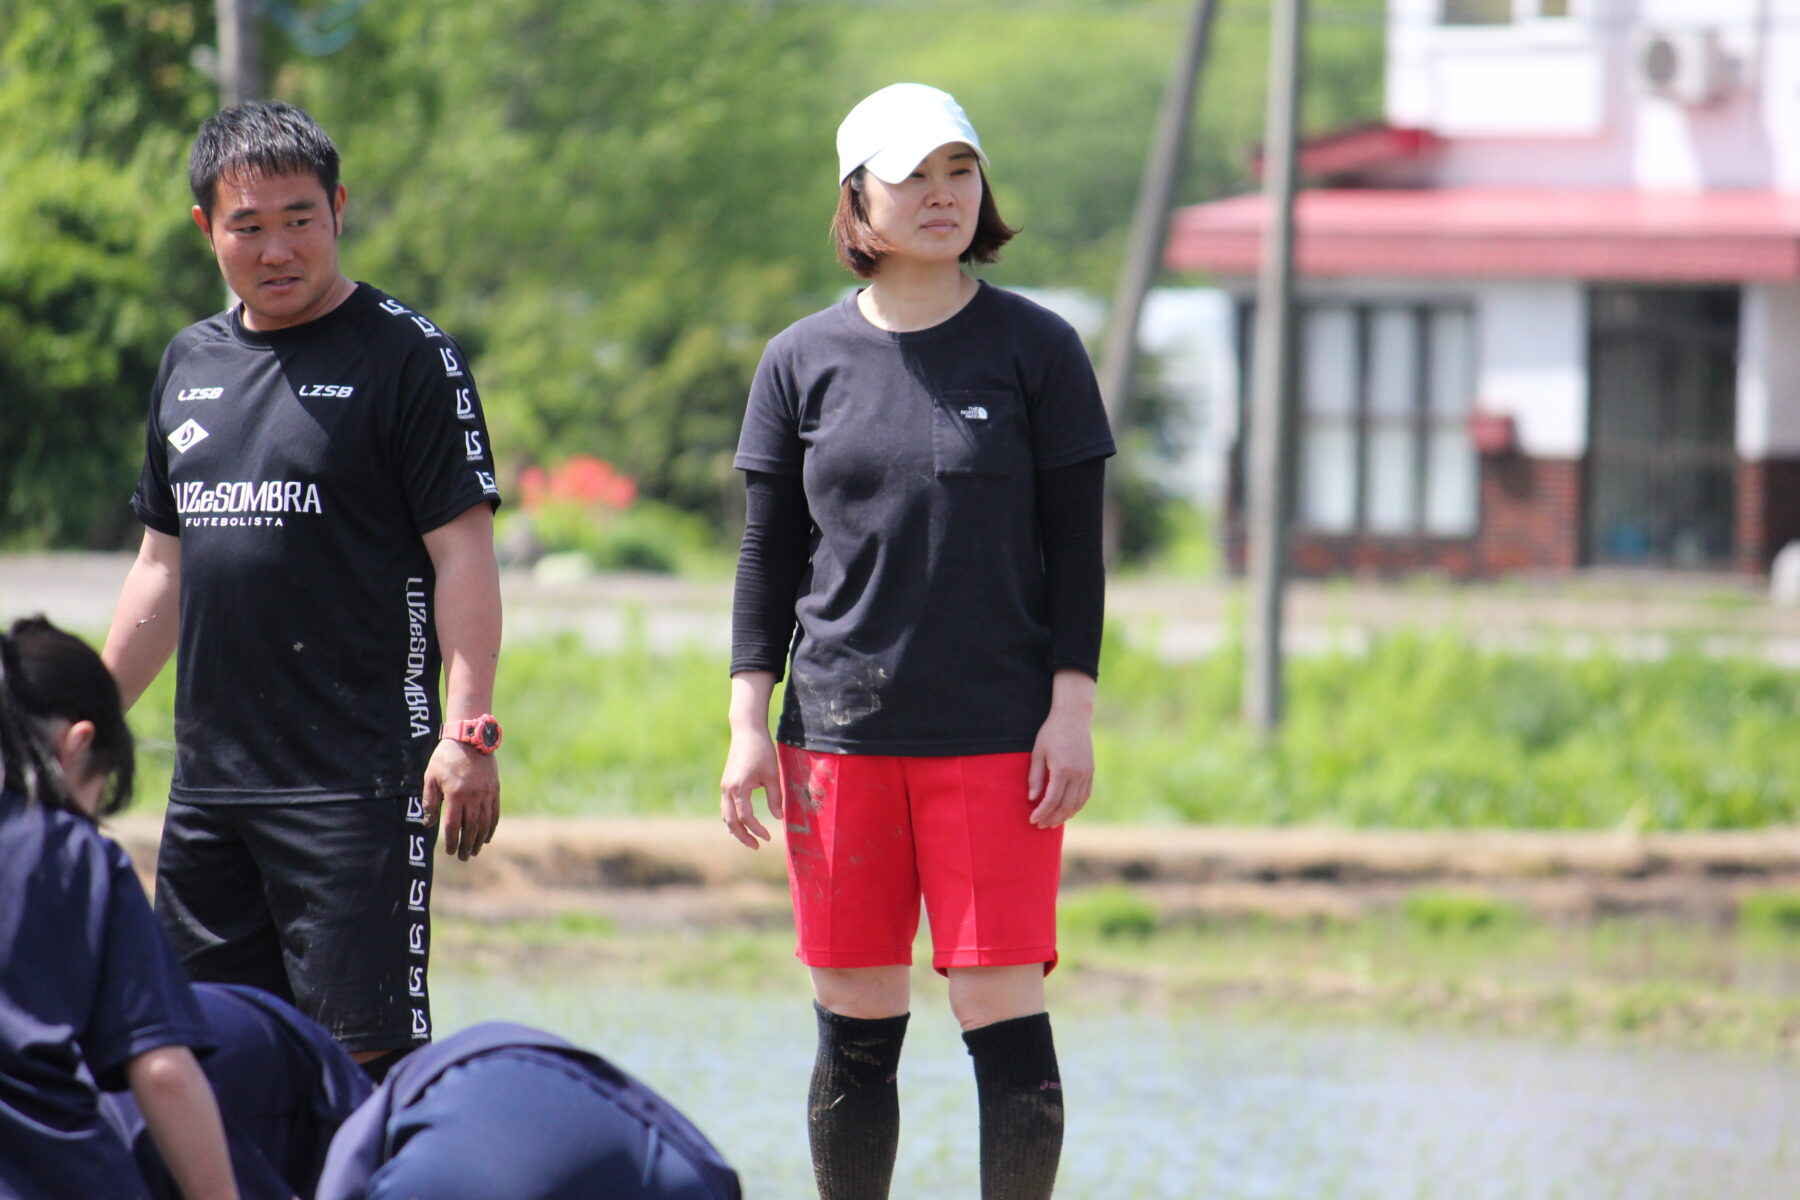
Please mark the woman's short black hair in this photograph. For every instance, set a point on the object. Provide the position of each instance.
(259, 137)
(861, 249)
(47, 674)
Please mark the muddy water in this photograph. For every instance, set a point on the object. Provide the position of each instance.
(1172, 1107)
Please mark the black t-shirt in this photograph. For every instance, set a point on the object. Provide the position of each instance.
(923, 620)
(87, 983)
(300, 468)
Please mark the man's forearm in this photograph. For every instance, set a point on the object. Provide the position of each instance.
(146, 621)
(468, 612)
(468, 629)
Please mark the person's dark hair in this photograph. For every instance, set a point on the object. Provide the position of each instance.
(259, 137)
(861, 249)
(46, 673)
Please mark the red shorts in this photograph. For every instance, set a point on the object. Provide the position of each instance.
(869, 834)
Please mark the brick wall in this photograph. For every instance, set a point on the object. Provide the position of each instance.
(1530, 514)
(1768, 511)
(1530, 521)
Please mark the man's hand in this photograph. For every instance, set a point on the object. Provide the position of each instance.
(464, 786)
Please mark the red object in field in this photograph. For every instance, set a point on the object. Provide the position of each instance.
(1493, 433)
(579, 479)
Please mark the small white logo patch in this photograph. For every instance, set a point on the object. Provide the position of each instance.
(183, 439)
(328, 389)
(207, 393)
(486, 480)
(465, 404)
(974, 413)
(472, 449)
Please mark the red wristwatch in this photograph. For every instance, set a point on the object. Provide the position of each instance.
(480, 733)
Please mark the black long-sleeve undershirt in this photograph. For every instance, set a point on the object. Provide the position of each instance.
(777, 529)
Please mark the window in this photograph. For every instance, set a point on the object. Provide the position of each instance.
(1499, 12)
(1477, 12)
(1382, 422)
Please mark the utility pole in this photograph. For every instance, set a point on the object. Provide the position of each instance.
(1271, 466)
(240, 65)
(1149, 230)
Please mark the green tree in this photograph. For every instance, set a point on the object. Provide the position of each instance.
(600, 201)
(99, 263)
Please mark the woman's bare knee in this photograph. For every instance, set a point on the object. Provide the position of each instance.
(983, 995)
(869, 993)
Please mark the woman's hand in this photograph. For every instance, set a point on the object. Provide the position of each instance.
(751, 762)
(1062, 760)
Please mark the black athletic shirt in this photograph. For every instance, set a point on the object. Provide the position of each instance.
(300, 467)
(923, 617)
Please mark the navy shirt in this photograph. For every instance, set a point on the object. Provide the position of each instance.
(543, 1120)
(284, 1086)
(87, 983)
(924, 623)
(300, 468)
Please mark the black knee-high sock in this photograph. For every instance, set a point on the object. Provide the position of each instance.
(1021, 1107)
(854, 1105)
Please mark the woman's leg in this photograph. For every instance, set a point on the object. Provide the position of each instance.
(853, 1105)
(1007, 1031)
(856, 909)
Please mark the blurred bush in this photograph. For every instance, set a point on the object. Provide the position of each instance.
(1455, 911)
(1774, 911)
(1111, 912)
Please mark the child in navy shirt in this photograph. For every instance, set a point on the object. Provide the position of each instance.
(90, 993)
(505, 1110)
(284, 1087)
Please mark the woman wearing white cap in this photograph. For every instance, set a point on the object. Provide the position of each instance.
(923, 464)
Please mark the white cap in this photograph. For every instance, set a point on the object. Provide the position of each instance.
(892, 131)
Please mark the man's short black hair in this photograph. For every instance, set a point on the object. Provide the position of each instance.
(259, 137)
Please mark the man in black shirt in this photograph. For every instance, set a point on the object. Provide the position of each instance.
(318, 495)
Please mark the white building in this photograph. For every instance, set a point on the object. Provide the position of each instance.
(1551, 309)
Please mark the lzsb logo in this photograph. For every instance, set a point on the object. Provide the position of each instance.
(328, 389)
(212, 393)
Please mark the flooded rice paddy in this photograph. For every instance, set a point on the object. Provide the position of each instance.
(1179, 1105)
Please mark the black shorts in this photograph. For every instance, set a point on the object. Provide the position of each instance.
(326, 905)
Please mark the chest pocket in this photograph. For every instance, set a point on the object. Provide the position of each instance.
(978, 435)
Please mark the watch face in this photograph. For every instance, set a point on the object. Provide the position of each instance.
(489, 733)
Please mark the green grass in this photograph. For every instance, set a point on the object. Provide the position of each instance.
(1620, 980)
(1773, 912)
(1458, 912)
(1423, 731)
(1109, 913)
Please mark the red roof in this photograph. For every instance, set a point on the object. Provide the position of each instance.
(1516, 232)
(1348, 151)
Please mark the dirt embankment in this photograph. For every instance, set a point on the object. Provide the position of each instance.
(647, 872)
